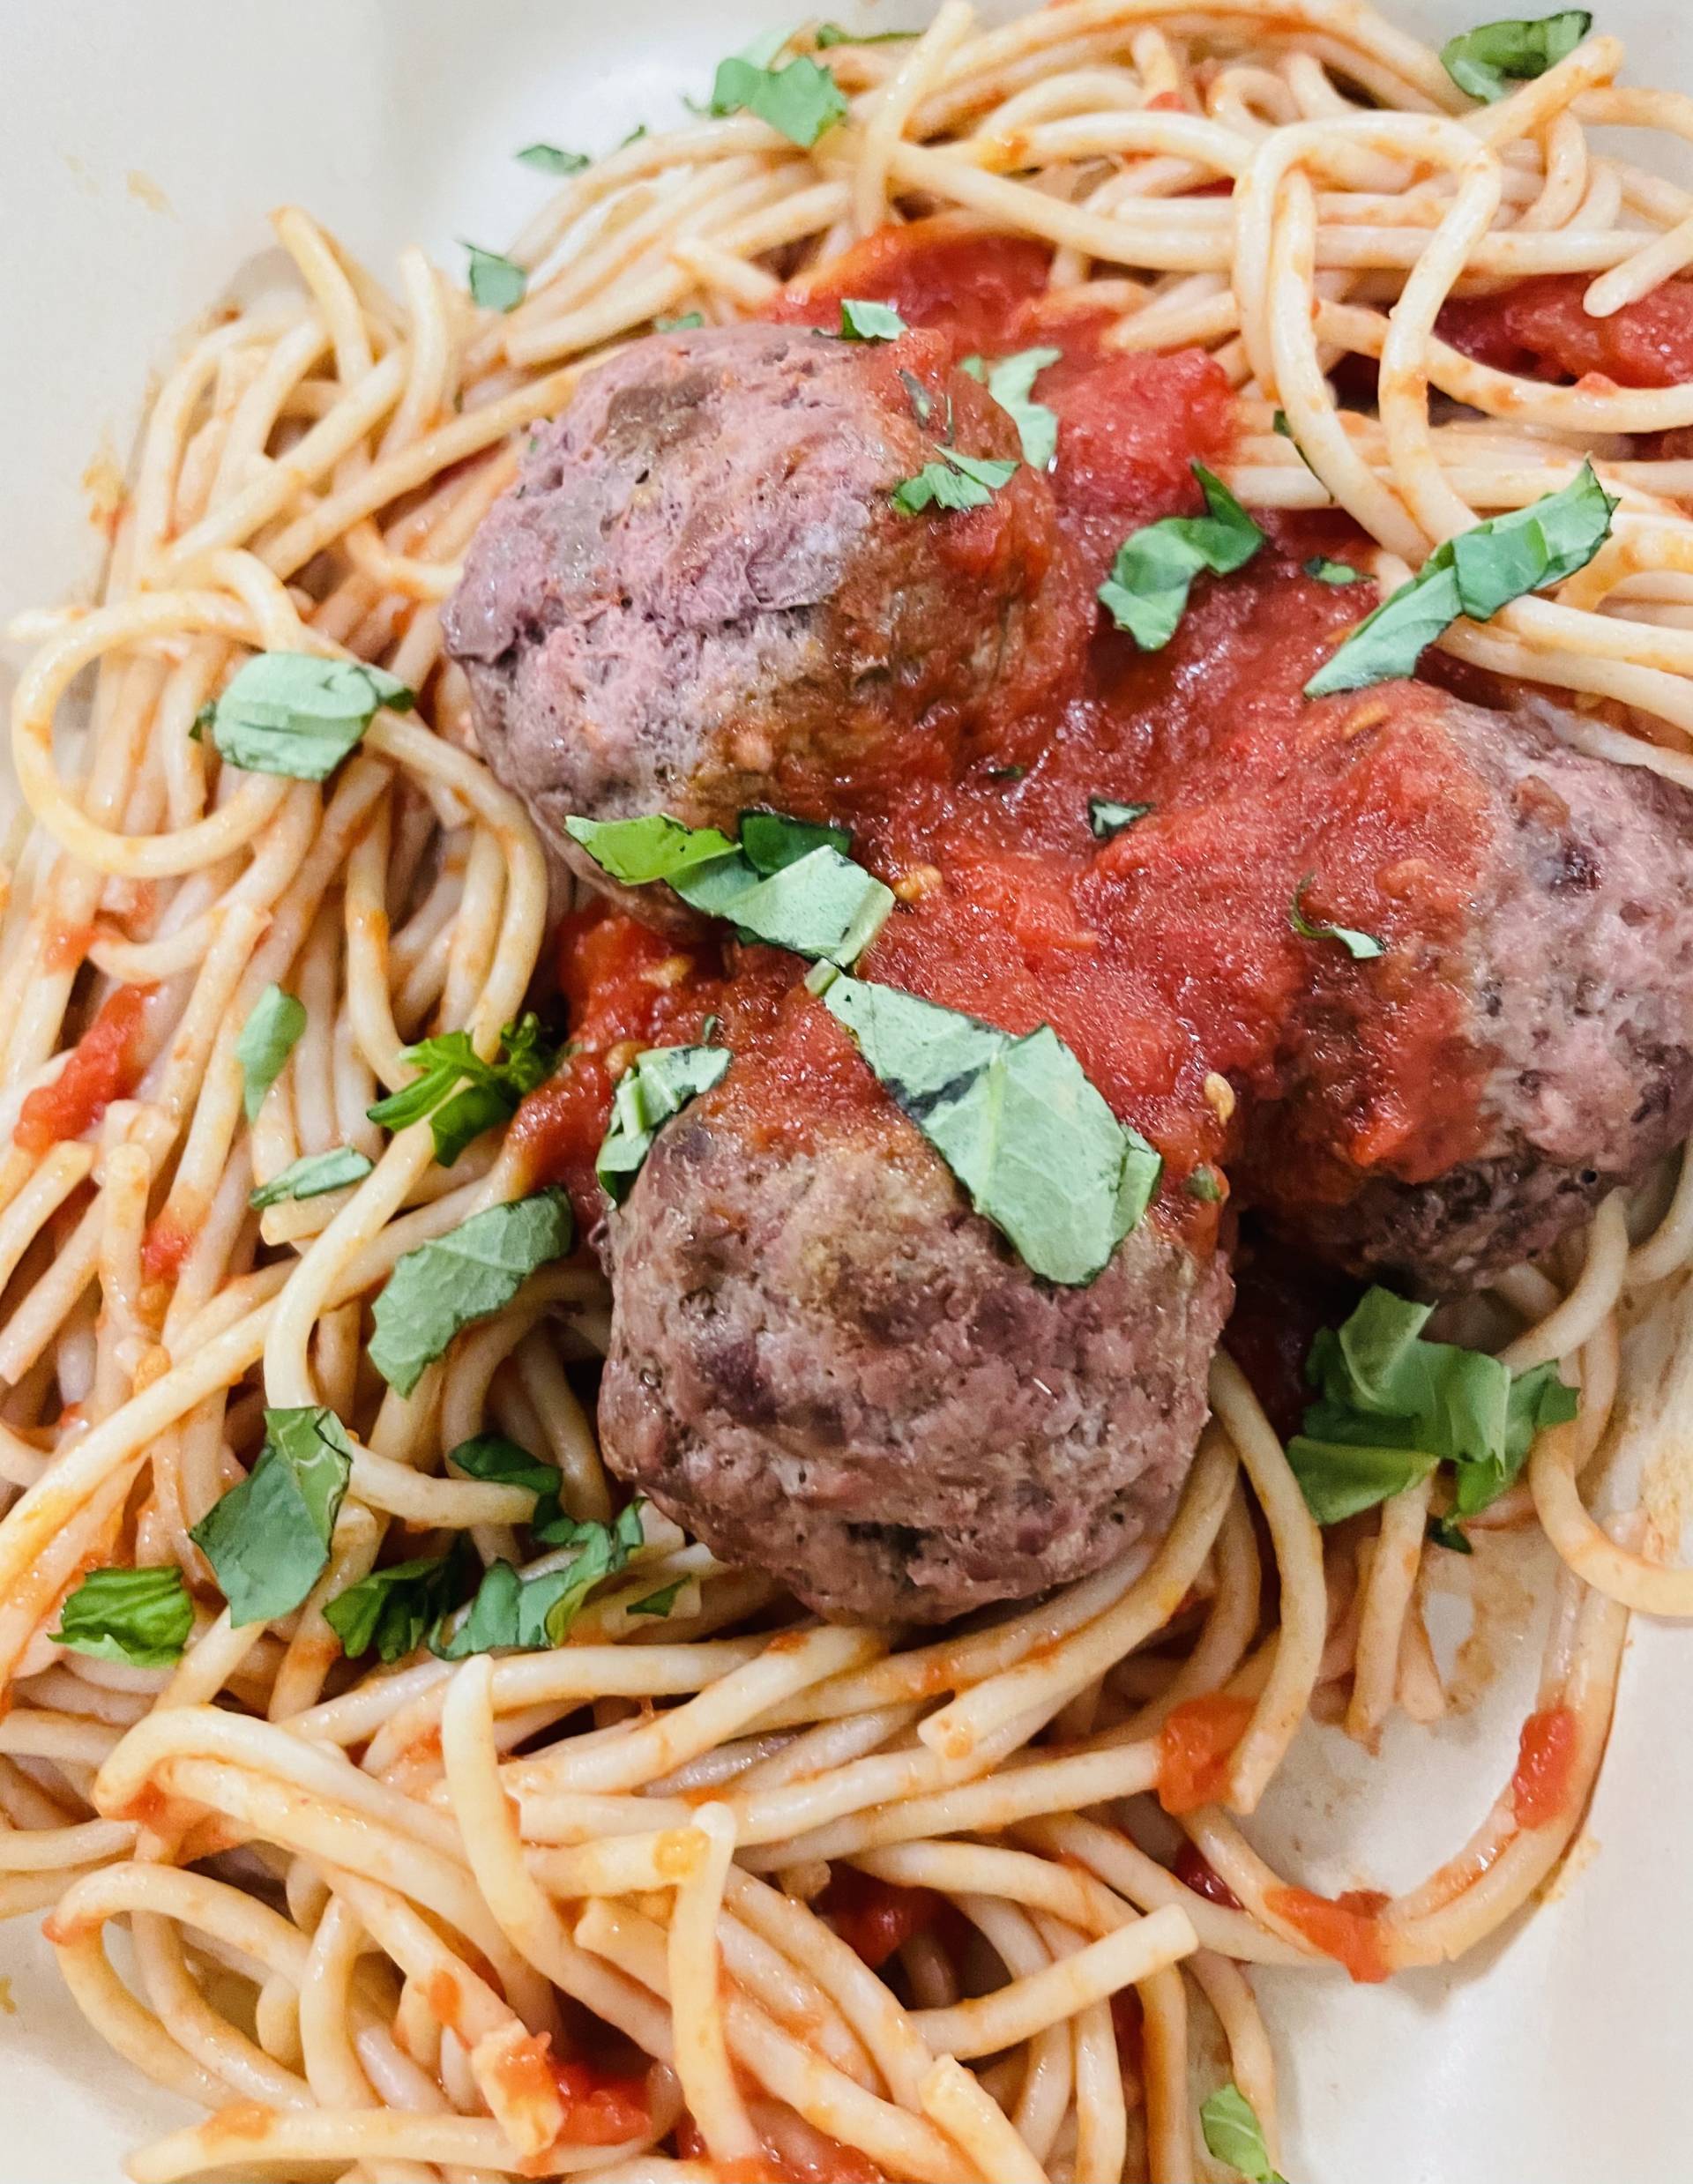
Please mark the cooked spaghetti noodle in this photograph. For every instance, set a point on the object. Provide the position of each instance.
(391, 1926)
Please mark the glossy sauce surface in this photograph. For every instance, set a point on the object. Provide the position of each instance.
(1166, 957)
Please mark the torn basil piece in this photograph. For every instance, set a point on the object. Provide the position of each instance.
(142, 1618)
(473, 1270)
(1010, 381)
(1487, 61)
(1474, 574)
(788, 884)
(1390, 1406)
(661, 1083)
(268, 1539)
(1361, 947)
(299, 714)
(1233, 2133)
(494, 282)
(1146, 592)
(1108, 819)
(264, 1044)
(311, 1176)
(1032, 1142)
(861, 321)
(800, 101)
(394, 1609)
(953, 482)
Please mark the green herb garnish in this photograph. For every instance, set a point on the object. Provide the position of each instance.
(659, 1085)
(1392, 1407)
(264, 1044)
(496, 283)
(1475, 574)
(461, 1094)
(549, 159)
(1361, 947)
(785, 882)
(1486, 60)
(1010, 380)
(870, 321)
(299, 714)
(800, 101)
(530, 1613)
(1108, 819)
(953, 482)
(268, 1539)
(1234, 2134)
(473, 1270)
(1036, 1148)
(1327, 571)
(311, 1176)
(395, 1609)
(142, 1618)
(1146, 592)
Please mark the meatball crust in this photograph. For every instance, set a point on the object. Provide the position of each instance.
(700, 585)
(823, 1363)
(1574, 974)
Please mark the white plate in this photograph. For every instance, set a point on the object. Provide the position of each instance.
(142, 147)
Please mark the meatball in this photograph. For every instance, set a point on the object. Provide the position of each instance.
(700, 587)
(823, 1363)
(1573, 1051)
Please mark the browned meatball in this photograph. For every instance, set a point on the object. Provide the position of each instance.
(1573, 1034)
(701, 587)
(823, 1363)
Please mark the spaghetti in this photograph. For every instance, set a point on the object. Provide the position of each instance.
(581, 1910)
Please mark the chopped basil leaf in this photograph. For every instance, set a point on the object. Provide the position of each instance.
(141, 1617)
(533, 1613)
(685, 323)
(832, 35)
(952, 481)
(659, 1603)
(462, 1094)
(661, 1083)
(1009, 381)
(268, 1539)
(1146, 592)
(769, 840)
(818, 903)
(1108, 819)
(634, 136)
(655, 847)
(299, 714)
(1280, 422)
(922, 405)
(395, 1609)
(473, 1270)
(1006, 773)
(203, 720)
(496, 283)
(550, 159)
(1234, 2134)
(1361, 947)
(1487, 60)
(1327, 571)
(800, 101)
(491, 1457)
(1032, 1142)
(1475, 574)
(264, 1044)
(1206, 1184)
(1391, 1406)
(870, 321)
(1445, 1534)
(311, 1176)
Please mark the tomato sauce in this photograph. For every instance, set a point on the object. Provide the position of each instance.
(602, 2107)
(105, 1065)
(876, 1918)
(1195, 1747)
(1166, 957)
(1194, 1871)
(1538, 330)
(1546, 1765)
(1347, 1927)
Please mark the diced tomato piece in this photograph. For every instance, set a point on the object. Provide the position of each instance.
(104, 1065)
(1546, 1765)
(1194, 1750)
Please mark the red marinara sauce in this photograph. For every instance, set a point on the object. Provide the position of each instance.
(876, 1918)
(1195, 1747)
(1540, 329)
(105, 1065)
(1546, 1766)
(1165, 957)
(1347, 1927)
